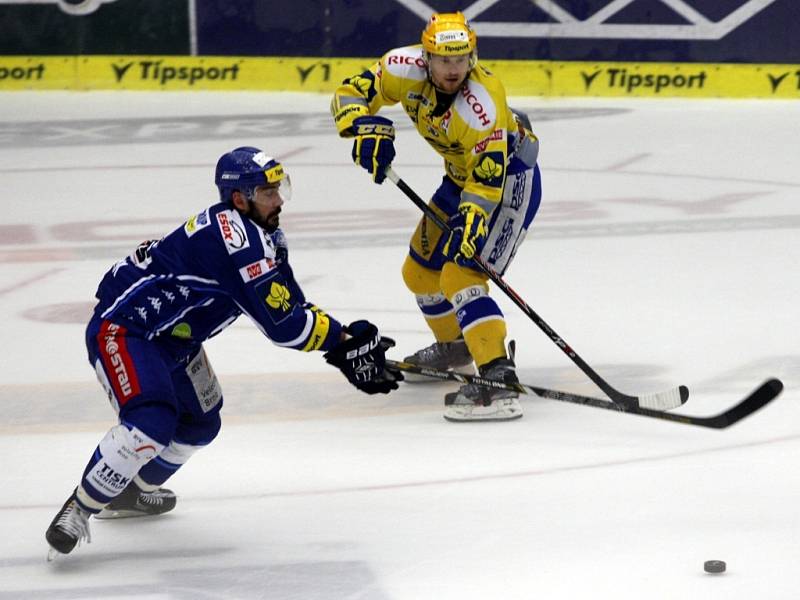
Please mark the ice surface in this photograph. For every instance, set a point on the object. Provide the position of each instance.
(665, 252)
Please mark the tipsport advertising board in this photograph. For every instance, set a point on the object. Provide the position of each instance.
(641, 48)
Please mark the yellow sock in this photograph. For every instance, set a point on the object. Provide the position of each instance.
(486, 341)
(424, 283)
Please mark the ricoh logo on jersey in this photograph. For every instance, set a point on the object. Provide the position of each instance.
(395, 59)
(475, 106)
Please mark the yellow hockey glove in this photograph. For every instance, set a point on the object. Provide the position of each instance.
(468, 234)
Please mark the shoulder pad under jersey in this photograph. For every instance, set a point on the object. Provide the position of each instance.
(406, 63)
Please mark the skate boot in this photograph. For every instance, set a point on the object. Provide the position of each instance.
(479, 403)
(135, 502)
(443, 356)
(69, 527)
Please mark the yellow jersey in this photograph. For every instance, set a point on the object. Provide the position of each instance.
(471, 133)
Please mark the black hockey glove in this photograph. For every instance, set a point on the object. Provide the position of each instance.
(361, 358)
(373, 147)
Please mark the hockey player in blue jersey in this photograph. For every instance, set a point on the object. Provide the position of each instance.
(154, 310)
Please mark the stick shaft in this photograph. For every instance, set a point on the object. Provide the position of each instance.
(612, 392)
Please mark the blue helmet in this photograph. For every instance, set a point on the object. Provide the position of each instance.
(246, 168)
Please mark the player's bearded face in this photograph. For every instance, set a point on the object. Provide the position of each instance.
(265, 207)
(449, 72)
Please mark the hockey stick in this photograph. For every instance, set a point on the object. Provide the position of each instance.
(767, 392)
(657, 401)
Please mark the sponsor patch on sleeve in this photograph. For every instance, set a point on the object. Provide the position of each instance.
(490, 169)
(196, 223)
(256, 269)
(232, 229)
(496, 135)
(276, 298)
(322, 324)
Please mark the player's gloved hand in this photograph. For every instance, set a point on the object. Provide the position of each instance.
(373, 147)
(468, 234)
(362, 359)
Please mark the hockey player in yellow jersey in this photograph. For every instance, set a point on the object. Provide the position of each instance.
(489, 195)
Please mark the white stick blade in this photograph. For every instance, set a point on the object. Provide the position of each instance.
(662, 400)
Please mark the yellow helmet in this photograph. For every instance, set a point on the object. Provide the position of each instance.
(449, 34)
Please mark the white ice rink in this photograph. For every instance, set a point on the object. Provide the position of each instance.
(665, 252)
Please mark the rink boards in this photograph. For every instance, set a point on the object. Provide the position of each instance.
(314, 74)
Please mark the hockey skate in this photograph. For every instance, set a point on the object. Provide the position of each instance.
(135, 502)
(68, 528)
(478, 403)
(444, 356)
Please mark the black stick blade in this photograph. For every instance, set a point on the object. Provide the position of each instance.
(763, 395)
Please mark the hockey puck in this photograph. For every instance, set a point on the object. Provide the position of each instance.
(714, 566)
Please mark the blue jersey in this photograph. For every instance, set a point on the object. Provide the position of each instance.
(197, 280)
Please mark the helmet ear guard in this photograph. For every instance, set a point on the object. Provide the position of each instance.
(245, 168)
